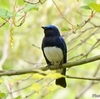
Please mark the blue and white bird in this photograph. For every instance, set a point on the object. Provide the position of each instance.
(54, 50)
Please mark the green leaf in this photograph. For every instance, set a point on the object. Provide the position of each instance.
(38, 76)
(95, 7)
(51, 87)
(1, 80)
(2, 95)
(65, 29)
(29, 7)
(5, 13)
(35, 86)
(54, 75)
(17, 78)
(19, 97)
(89, 1)
(85, 7)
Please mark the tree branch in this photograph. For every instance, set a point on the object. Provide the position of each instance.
(84, 78)
(4, 50)
(67, 65)
(80, 94)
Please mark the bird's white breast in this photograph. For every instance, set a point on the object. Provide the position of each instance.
(53, 54)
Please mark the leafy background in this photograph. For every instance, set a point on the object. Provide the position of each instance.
(20, 47)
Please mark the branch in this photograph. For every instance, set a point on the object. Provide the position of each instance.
(80, 94)
(84, 78)
(4, 50)
(81, 62)
(39, 1)
(62, 14)
(67, 65)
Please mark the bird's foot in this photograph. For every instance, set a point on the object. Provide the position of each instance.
(48, 66)
(60, 65)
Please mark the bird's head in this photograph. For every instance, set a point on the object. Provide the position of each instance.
(51, 30)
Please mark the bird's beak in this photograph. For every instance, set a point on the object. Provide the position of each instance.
(43, 27)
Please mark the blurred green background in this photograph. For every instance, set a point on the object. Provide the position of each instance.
(25, 52)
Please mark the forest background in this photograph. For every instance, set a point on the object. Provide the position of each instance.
(23, 72)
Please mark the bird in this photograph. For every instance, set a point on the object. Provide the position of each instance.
(54, 50)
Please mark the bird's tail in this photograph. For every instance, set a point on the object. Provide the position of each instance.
(61, 81)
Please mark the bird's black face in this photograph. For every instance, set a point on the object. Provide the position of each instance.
(51, 30)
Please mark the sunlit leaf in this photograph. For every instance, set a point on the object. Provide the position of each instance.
(1, 80)
(95, 7)
(51, 87)
(29, 7)
(35, 87)
(5, 13)
(38, 76)
(20, 77)
(3, 95)
(65, 29)
(18, 97)
(54, 75)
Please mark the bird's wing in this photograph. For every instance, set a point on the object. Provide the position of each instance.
(63, 47)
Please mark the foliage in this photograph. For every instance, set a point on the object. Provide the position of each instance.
(20, 39)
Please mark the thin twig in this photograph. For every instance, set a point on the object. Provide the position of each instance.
(61, 13)
(4, 22)
(36, 46)
(85, 39)
(39, 1)
(91, 49)
(89, 85)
